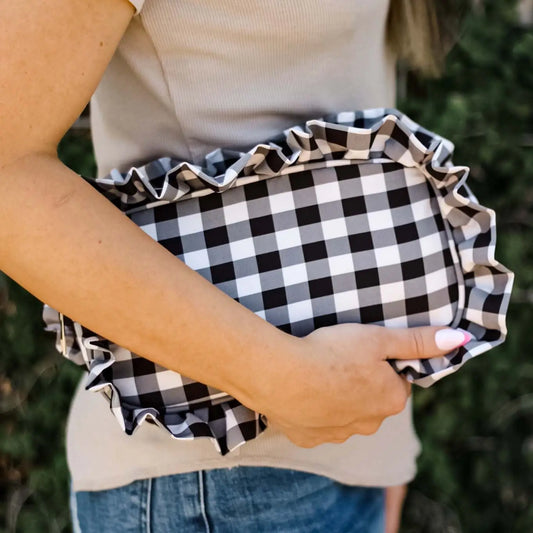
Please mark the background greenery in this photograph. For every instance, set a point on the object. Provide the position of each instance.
(476, 427)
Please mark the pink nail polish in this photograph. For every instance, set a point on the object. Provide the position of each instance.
(468, 338)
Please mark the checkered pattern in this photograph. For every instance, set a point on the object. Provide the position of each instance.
(354, 217)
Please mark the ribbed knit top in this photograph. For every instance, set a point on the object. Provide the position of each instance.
(193, 75)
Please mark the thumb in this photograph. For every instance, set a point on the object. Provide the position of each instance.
(423, 342)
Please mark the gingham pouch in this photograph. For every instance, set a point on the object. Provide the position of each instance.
(353, 217)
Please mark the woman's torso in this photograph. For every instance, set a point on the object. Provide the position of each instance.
(191, 76)
(188, 77)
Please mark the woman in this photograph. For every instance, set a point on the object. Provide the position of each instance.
(182, 78)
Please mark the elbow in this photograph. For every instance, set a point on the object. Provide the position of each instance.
(25, 156)
(20, 142)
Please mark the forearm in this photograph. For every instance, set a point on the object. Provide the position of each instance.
(70, 247)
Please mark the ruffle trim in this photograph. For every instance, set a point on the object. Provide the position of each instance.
(227, 423)
(354, 136)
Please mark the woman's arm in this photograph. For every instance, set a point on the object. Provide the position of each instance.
(70, 247)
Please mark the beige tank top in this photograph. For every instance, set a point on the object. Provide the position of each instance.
(193, 75)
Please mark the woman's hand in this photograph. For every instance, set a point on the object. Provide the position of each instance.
(341, 384)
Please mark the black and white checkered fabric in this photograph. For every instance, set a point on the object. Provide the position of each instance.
(352, 217)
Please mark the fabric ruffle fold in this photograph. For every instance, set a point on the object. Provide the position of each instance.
(357, 135)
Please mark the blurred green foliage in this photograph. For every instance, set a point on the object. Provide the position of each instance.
(476, 427)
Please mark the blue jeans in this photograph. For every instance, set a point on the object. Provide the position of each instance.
(243, 499)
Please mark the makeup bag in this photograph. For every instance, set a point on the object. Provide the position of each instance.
(358, 216)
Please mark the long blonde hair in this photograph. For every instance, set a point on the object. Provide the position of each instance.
(421, 32)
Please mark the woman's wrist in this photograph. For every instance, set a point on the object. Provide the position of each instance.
(270, 363)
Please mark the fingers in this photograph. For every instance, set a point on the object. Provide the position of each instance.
(422, 342)
(309, 437)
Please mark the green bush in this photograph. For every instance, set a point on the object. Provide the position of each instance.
(477, 426)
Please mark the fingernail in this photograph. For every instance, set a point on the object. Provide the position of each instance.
(448, 339)
(468, 337)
